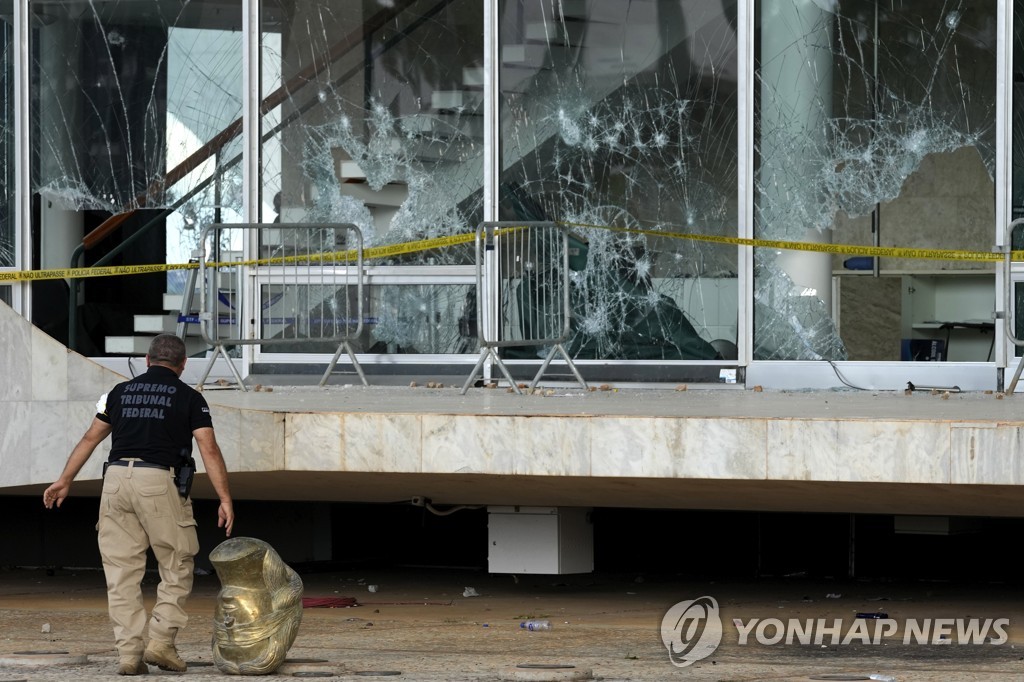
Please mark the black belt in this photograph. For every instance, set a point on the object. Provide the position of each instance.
(138, 463)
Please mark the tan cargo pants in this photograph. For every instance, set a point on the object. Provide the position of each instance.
(140, 508)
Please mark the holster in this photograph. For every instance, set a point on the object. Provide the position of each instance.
(183, 476)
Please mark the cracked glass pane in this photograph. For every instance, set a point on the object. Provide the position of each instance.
(125, 92)
(1017, 162)
(624, 114)
(204, 145)
(1017, 142)
(373, 115)
(135, 112)
(7, 257)
(874, 125)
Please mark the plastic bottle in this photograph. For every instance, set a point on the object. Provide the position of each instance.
(534, 625)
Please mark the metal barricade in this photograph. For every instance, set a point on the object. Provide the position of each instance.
(523, 268)
(305, 288)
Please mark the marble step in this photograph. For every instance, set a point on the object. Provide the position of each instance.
(168, 324)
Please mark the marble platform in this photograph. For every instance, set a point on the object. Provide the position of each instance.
(841, 451)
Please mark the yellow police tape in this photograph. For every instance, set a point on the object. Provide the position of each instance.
(444, 242)
(842, 249)
(333, 256)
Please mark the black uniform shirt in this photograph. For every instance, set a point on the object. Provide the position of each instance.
(153, 417)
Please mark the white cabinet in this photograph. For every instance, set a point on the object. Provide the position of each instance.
(547, 540)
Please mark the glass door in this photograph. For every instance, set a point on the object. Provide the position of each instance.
(875, 125)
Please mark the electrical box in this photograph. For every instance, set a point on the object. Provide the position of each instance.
(540, 540)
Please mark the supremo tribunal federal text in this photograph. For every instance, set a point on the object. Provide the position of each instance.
(146, 394)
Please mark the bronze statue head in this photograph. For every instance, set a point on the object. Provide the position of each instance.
(258, 610)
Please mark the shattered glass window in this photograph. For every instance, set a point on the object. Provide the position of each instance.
(1017, 136)
(7, 258)
(623, 115)
(135, 116)
(204, 144)
(1017, 163)
(124, 92)
(373, 115)
(875, 124)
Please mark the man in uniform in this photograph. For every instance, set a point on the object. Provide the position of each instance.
(153, 419)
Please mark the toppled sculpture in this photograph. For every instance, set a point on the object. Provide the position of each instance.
(258, 610)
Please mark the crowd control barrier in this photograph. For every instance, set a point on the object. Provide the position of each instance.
(304, 287)
(524, 267)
